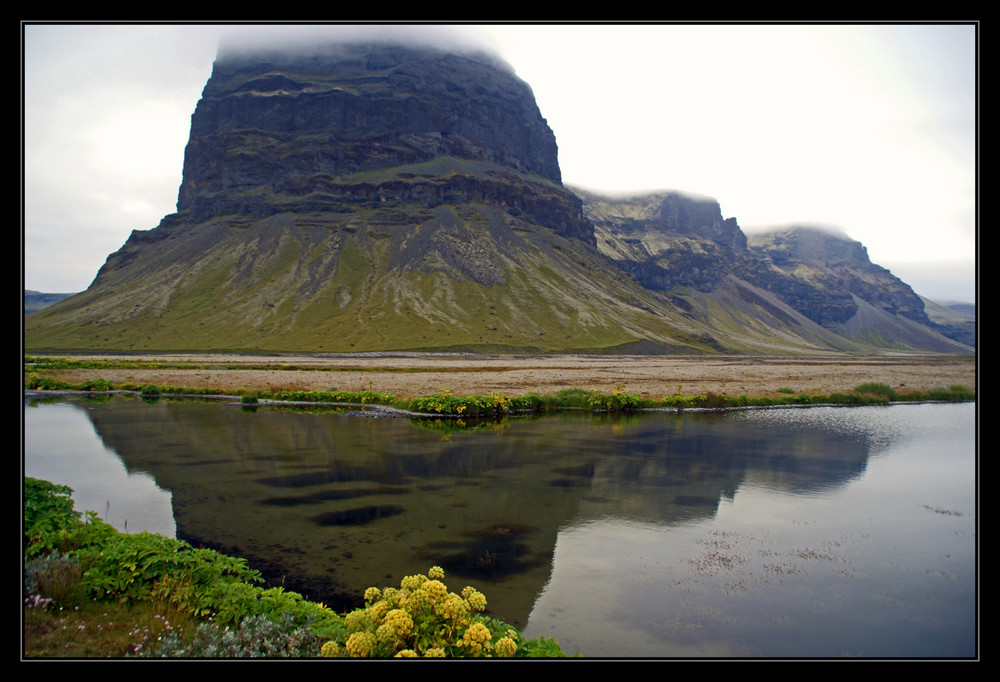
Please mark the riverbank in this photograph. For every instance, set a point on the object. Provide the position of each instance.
(415, 375)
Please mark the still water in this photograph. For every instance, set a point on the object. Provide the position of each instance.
(819, 532)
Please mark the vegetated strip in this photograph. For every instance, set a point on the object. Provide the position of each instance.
(44, 362)
(448, 405)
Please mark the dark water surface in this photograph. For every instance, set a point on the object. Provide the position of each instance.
(818, 532)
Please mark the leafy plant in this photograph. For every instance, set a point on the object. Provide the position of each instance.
(877, 389)
(48, 509)
(97, 385)
(40, 383)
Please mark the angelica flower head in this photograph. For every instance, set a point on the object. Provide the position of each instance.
(435, 589)
(476, 638)
(412, 582)
(477, 600)
(505, 647)
(361, 644)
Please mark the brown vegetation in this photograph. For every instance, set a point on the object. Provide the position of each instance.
(416, 375)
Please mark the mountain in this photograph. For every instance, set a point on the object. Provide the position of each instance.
(36, 300)
(957, 320)
(680, 244)
(374, 196)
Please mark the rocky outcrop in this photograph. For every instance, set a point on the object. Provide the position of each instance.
(824, 269)
(673, 242)
(666, 239)
(292, 122)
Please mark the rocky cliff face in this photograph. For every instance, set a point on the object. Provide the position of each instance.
(831, 270)
(273, 129)
(360, 197)
(671, 241)
(666, 239)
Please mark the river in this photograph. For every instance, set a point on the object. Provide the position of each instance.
(785, 533)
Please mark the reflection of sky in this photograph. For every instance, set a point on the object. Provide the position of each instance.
(92, 471)
(883, 565)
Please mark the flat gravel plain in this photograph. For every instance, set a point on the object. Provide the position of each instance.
(425, 374)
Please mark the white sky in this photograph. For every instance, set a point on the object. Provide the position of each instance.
(870, 129)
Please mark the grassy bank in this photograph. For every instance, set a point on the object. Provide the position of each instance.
(91, 591)
(445, 403)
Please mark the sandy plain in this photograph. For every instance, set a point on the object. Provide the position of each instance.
(425, 374)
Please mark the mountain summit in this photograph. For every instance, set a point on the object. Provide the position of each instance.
(372, 196)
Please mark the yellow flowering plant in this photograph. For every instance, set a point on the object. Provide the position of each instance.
(422, 618)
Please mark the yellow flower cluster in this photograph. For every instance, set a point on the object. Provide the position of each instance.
(421, 618)
(355, 620)
(412, 582)
(392, 596)
(453, 608)
(505, 647)
(476, 599)
(476, 638)
(417, 599)
(435, 589)
(361, 644)
(400, 621)
(376, 611)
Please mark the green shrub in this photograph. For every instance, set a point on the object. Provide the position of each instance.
(618, 400)
(465, 406)
(710, 400)
(953, 393)
(872, 388)
(254, 637)
(53, 578)
(97, 385)
(39, 383)
(48, 508)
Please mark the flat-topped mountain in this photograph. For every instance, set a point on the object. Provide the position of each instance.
(373, 196)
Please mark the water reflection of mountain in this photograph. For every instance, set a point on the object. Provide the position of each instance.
(328, 504)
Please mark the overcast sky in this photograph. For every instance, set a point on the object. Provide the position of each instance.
(868, 129)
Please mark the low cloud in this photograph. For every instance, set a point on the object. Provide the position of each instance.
(310, 38)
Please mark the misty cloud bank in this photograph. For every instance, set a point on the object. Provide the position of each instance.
(309, 40)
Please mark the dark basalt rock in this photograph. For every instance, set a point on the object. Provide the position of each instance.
(286, 121)
(670, 240)
(823, 270)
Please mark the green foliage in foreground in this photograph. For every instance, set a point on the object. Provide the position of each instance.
(207, 604)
